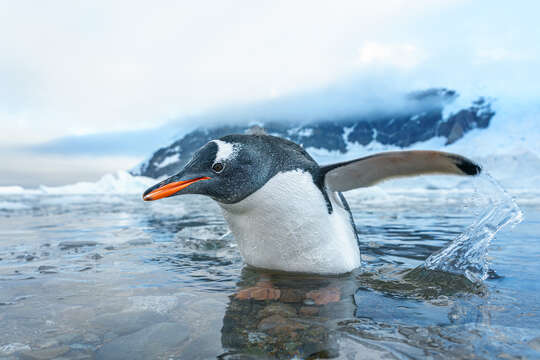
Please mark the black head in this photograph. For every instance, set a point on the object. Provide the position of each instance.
(233, 167)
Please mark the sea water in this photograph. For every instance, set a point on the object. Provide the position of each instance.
(467, 254)
(109, 276)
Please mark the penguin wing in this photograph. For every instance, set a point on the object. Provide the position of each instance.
(372, 169)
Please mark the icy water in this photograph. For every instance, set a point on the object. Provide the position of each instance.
(112, 277)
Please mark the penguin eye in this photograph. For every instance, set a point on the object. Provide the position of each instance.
(217, 167)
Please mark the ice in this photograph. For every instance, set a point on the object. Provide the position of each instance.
(509, 150)
(6, 190)
(9, 205)
(9, 349)
(120, 182)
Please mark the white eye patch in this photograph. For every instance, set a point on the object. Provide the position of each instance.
(226, 151)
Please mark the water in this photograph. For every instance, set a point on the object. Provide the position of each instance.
(112, 277)
(467, 254)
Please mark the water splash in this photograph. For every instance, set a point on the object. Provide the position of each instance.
(467, 254)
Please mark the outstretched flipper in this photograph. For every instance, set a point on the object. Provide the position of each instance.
(372, 169)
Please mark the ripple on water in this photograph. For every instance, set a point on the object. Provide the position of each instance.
(467, 254)
(170, 270)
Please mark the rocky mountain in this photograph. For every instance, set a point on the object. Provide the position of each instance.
(420, 120)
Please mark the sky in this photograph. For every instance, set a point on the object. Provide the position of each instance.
(88, 87)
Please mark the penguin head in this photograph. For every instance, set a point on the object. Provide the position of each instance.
(227, 170)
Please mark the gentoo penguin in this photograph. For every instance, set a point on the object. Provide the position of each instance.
(285, 211)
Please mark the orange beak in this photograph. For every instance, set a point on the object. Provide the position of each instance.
(170, 189)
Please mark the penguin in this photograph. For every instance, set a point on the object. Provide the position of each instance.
(286, 211)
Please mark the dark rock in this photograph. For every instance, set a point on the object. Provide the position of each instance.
(477, 116)
(421, 120)
(362, 133)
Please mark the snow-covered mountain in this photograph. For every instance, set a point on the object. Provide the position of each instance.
(500, 134)
(420, 118)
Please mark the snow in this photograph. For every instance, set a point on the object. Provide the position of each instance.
(10, 205)
(171, 159)
(120, 182)
(306, 132)
(509, 150)
(5, 190)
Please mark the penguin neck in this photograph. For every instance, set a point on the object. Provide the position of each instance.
(285, 225)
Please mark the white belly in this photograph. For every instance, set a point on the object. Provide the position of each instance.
(285, 226)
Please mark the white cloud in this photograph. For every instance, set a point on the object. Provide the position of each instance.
(404, 56)
(71, 67)
(500, 54)
(83, 67)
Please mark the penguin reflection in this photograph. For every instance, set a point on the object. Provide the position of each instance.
(283, 315)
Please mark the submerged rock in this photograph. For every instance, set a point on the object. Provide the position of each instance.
(324, 296)
(268, 316)
(128, 322)
(431, 284)
(66, 245)
(147, 343)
